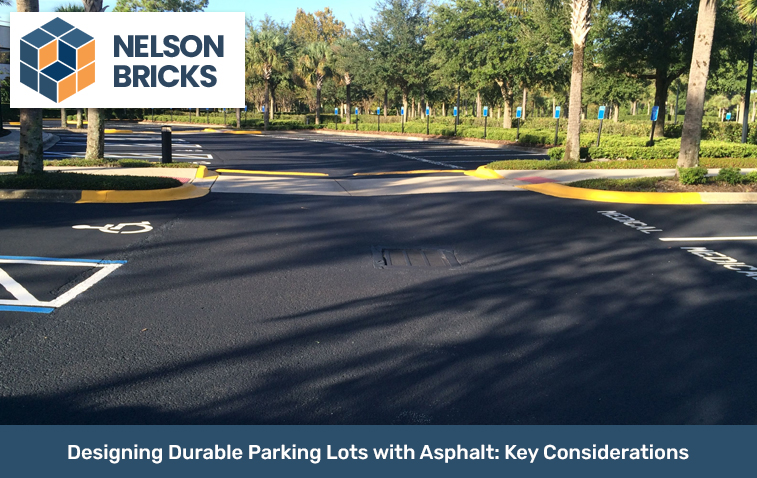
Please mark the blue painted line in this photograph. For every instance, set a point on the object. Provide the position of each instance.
(52, 259)
(35, 310)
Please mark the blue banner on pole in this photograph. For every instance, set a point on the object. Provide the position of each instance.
(454, 111)
(402, 111)
(601, 114)
(428, 111)
(336, 111)
(357, 111)
(557, 112)
(519, 112)
(486, 111)
(378, 111)
(655, 111)
(728, 117)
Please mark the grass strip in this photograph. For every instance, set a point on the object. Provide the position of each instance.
(531, 164)
(642, 185)
(79, 181)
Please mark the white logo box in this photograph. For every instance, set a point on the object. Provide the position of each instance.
(228, 91)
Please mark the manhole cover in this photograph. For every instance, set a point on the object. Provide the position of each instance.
(415, 257)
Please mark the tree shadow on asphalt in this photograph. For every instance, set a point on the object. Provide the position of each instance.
(558, 316)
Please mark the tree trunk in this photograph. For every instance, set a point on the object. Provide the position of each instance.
(661, 98)
(422, 104)
(349, 105)
(507, 99)
(615, 113)
(95, 134)
(95, 123)
(633, 108)
(742, 105)
(197, 112)
(572, 143)
(266, 94)
(79, 121)
(754, 111)
(691, 135)
(478, 104)
(404, 103)
(523, 104)
(444, 109)
(239, 118)
(30, 150)
(318, 103)
(63, 118)
(386, 103)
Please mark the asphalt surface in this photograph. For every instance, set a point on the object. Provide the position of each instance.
(246, 308)
(290, 152)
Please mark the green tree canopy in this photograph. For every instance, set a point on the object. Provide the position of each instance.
(160, 5)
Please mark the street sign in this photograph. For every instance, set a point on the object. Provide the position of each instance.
(402, 111)
(519, 112)
(601, 114)
(428, 111)
(378, 111)
(557, 112)
(357, 111)
(454, 111)
(336, 111)
(486, 111)
(728, 117)
(655, 112)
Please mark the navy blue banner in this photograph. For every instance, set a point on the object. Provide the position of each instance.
(368, 451)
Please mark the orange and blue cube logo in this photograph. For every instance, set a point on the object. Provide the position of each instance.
(57, 60)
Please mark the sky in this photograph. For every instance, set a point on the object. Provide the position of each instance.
(348, 11)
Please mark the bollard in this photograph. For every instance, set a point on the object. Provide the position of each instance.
(165, 136)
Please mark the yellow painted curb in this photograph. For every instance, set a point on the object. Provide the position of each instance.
(483, 173)
(211, 130)
(419, 171)
(242, 132)
(14, 123)
(203, 172)
(269, 173)
(83, 122)
(187, 191)
(568, 192)
(112, 131)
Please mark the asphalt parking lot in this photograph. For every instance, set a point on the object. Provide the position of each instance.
(255, 308)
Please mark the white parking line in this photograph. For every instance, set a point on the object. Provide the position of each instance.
(708, 239)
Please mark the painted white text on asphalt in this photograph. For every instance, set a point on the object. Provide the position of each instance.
(728, 262)
(630, 222)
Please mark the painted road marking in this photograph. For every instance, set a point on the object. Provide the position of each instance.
(118, 229)
(26, 302)
(629, 221)
(712, 239)
(438, 163)
(721, 259)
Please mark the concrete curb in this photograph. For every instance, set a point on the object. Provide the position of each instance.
(48, 141)
(187, 191)
(568, 192)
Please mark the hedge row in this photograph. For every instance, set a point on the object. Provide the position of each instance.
(714, 149)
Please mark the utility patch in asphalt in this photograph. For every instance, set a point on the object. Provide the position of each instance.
(24, 301)
(421, 257)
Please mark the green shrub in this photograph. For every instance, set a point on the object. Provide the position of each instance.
(750, 177)
(692, 176)
(730, 176)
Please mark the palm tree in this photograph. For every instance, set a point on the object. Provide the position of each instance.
(95, 121)
(344, 51)
(268, 51)
(71, 7)
(580, 24)
(691, 136)
(30, 151)
(316, 66)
